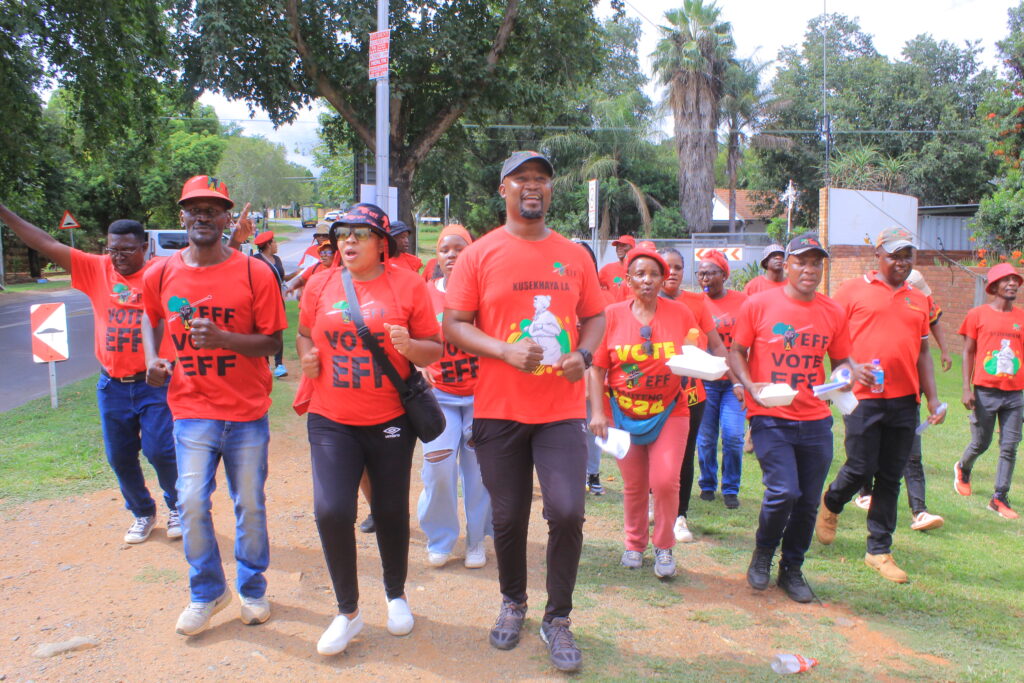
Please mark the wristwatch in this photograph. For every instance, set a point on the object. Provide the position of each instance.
(588, 357)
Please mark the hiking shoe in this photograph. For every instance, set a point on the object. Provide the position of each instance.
(863, 502)
(594, 484)
(173, 524)
(732, 501)
(924, 520)
(961, 480)
(682, 531)
(337, 636)
(886, 566)
(632, 559)
(280, 371)
(759, 573)
(664, 563)
(140, 529)
(791, 580)
(561, 645)
(368, 527)
(707, 495)
(437, 560)
(196, 617)
(826, 524)
(476, 556)
(505, 634)
(400, 620)
(254, 610)
(1001, 506)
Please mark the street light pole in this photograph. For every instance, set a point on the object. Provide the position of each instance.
(383, 135)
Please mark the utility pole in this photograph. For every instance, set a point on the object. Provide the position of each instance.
(383, 119)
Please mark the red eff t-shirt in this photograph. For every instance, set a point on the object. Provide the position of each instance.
(1000, 339)
(116, 309)
(457, 371)
(887, 324)
(522, 288)
(760, 284)
(612, 276)
(693, 387)
(788, 340)
(237, 295)
(723, 312)
(642, 383)
(408, 261)
(351, 388)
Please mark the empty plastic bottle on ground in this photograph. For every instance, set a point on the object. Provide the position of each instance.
(792, 664)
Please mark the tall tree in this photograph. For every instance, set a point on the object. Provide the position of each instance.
(691, 60)
(449, 58)
(258, 171)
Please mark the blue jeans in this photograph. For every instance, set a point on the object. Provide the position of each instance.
(201, 444)
(721, 409)
(795, 457)
(593, 450)
(135, 416)
(438, 508)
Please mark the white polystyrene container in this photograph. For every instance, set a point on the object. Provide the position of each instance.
(693, 362)
(777, 395)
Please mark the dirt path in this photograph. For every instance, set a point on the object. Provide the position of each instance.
(66, 573)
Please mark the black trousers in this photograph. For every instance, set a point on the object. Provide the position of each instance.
(879, 434)
(508, 452)
(689, 455)
(340, 453)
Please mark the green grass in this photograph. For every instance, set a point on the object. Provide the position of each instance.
(51, 286)
(280, 228)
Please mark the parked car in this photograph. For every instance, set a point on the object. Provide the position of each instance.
(332, 216)
(166, 242)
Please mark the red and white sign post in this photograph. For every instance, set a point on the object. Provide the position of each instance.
(380, 54)
(49, 323)
(730, 253)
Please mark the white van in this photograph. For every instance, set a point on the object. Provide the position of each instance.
(166, 242)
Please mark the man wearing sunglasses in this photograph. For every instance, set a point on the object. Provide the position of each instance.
(134, 416)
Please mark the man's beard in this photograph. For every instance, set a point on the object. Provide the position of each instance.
(531, 214)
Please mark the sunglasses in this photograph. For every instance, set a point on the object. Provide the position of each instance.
(126, 251)
(647, 346)
(361, 234)
(208, 212)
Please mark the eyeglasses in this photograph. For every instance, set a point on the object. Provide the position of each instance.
(705, 274)
(647, 346)
(361, 234)
(124, 251)
(208, 212)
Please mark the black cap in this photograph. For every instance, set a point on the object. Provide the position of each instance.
(398, 227)
(804, 243)
(519, 158)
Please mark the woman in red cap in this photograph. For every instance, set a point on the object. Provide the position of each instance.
(356, 420)
(724, 407)
(647, 401)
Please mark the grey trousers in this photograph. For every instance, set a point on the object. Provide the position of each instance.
(1008, 408)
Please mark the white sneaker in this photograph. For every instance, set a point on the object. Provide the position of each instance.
(632, 559)
(664, 563)
(173, 524)
(337, 636)
(476, 556)
(140, 529)
(923, 521)
(681, 531)
(863, 502)
(255, 610)
(400, 621)
(196, 617)
(437, 560)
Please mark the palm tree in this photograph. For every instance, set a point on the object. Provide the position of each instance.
(691, 59)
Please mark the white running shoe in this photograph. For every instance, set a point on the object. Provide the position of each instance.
(476, 556)
(196, 617)
(254, 610)
(337, 636)
(923, 521)
(400, 621)
(681, 531)
(664, 563)
(437, 560)
(140, 529)
(863, 502)
(173, 524)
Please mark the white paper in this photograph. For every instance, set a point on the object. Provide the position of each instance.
(616, 444)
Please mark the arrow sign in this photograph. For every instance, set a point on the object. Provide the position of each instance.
(49, 323)
(731, 253)
(68, 222)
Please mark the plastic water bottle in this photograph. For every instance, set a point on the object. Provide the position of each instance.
(792, 664)
(879, 373)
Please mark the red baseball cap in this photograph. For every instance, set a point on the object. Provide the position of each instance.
(647, 244)
(625, 240)
(263, 238)
(638, 252)
(998, 272)
(207, 187)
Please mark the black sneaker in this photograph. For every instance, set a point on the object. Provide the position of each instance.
(594, 484)
(732, 501)
(368, 527)
(791, 580)
(505, 634)
(561, 645)
(707, 495)
(759, 573)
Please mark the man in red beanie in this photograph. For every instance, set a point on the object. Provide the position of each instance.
(224, 315)
(993, 348)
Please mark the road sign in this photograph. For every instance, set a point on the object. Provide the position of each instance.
(49, 323)
(380, 53)
(68, 222)
(731, 253)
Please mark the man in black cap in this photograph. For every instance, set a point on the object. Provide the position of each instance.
(527, 302)
(404, 258)
(774, 275)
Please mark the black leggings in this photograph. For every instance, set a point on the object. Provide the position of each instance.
(686, 473)
(339, 454)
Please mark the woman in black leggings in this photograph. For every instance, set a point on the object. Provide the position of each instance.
(356, 420)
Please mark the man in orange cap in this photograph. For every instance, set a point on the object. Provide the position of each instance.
(613, 275)
(993, 348)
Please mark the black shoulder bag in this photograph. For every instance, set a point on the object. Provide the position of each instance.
(417, 398)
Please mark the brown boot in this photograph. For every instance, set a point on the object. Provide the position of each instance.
(886, 566)
(828, 522)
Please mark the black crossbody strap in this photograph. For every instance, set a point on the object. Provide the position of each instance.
(369, 341)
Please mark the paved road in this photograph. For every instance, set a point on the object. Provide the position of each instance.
(22, 380)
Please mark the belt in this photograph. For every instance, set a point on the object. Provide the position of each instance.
(130, 379)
